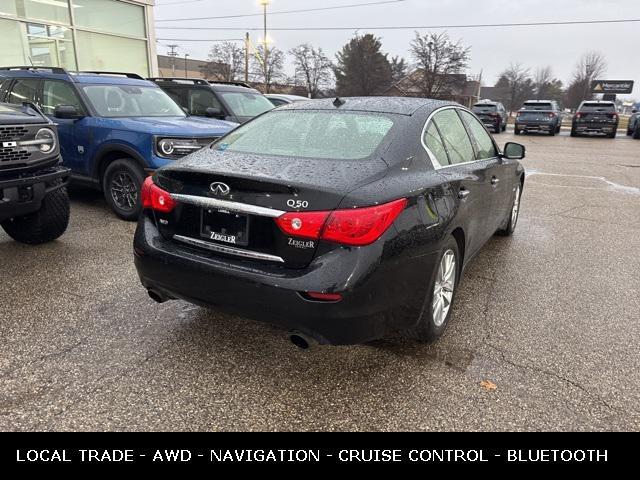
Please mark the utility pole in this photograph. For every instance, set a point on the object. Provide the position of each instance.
(185, 65)
(266, 47)
(173, 54)
(247, 45)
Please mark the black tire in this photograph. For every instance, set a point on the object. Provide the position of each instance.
(629, 132)
(121, 184)
(426, 329)
(497, 129)
(573, 132)
(636, 134)
(552, 132)
(516, 131)
(511, 223)
(45, 225)
(504, 127)
(558, 128)
(613, 134)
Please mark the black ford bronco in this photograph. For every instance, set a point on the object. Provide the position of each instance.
(34, 205)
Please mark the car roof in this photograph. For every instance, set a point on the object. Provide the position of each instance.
(396, 105)
(77, 77)
(485, 102)
(538, 101)
(285, 96)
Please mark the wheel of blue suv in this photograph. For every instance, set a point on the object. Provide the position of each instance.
(45, 225)
(121, 185)
(436, 309)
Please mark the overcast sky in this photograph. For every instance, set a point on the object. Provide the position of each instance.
(492, 49)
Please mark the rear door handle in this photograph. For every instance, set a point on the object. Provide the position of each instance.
(494, 180)
(463, 193)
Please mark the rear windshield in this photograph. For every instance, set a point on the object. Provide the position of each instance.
(537, 106)
(310, 134)
(484, 108)
(597, 107)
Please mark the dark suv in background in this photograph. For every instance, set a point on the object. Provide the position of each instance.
(595, 116)
(492, 114)
(34, 206)
(542, 116)
(231, 101)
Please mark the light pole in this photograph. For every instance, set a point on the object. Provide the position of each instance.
(185, 65)
(264, 4)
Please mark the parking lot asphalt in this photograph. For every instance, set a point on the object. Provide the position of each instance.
(544, 334)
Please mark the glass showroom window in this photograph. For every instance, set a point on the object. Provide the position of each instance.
(108, 52)
(50, 10)
(50, 45)
(110, 16)
(11, 52)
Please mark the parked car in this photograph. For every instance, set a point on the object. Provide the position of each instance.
(492, 114)
(542, 116)
(634, 120)
(115, 128)
(279, 99)
(595, 116)
(34, 206)
(342, 220)
(231, 101)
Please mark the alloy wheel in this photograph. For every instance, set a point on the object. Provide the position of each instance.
(124, 191)
(443, 288)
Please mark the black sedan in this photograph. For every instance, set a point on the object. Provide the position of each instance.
(340, 220)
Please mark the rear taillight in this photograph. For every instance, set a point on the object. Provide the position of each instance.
(302, 224)
(578, 115)
(357, 226)
(155, 198)
(613, 115)
(552, 115)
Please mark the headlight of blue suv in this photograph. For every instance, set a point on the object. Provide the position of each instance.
(46, 140)
(176, 147)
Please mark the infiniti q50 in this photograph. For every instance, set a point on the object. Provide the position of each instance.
(340, 220)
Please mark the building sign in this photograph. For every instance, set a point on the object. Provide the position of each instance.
(612, 86)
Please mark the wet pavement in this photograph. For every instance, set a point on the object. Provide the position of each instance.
(544, 334)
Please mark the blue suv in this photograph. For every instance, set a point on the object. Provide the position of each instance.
(115, 128)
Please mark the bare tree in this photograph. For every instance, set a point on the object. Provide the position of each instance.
(516, 81)
(314, 66)
(438, 59)
(589, 67)
(226, 60)
(546, 86)
(271, 72)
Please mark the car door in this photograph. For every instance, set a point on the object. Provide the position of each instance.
(466, 179)
(487, 153)
(75, 134)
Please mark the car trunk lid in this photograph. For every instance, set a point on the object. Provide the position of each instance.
(229, 201)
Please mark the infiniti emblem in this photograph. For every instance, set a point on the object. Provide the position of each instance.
(220, 188)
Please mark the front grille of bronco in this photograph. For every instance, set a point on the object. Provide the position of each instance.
(13, 155)
(9, 134)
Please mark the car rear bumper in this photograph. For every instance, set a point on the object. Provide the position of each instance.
(595, 127)
(536, 127)
(380, 293)
(23, 195)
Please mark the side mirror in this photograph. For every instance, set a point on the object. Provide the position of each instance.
(514, 151)
(213, 112)
(68, 112)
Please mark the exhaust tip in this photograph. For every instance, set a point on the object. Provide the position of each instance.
(156, 297)
(300, 341)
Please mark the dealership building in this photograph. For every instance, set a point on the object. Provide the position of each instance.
(106, 35)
